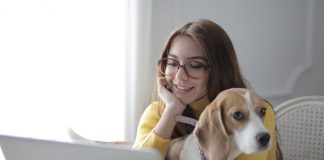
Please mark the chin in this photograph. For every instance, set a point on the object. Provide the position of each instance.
(186, 99)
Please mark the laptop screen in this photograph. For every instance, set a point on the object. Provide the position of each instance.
(19, 148)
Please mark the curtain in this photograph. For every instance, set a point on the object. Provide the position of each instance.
(140, 72)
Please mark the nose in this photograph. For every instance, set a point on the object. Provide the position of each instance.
(263, 138)
(181, 74)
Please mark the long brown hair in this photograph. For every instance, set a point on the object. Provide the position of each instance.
(224, 70)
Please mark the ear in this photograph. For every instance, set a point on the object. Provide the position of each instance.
(211, 131)
(217, 116)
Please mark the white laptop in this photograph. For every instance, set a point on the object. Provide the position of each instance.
(19, 148)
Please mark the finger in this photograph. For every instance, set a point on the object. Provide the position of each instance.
(163, 81)
(161, 84)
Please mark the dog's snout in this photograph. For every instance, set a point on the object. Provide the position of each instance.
(263, 138)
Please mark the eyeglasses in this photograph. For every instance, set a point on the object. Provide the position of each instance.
(194, 69)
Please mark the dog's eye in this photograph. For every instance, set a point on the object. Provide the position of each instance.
(238, 115)
(262, 112)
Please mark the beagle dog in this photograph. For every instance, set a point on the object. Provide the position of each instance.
(230, 125)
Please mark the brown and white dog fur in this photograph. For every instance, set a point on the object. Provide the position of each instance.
(230, 124)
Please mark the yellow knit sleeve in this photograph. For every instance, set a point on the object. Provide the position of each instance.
(145, 136)
(270, 123)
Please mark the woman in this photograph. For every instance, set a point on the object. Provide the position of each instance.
(198, 62)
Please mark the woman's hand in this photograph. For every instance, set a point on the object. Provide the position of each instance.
(173, 107)
(172, 103)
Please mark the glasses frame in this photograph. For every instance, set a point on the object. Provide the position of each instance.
(179, 65)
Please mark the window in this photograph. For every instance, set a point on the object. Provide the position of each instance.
(62, 64)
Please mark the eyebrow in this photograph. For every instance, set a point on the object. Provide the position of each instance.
(190, 58)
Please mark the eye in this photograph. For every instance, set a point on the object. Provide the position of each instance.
(262, 112)
(195, 65)
(171, 62)
(238, 115)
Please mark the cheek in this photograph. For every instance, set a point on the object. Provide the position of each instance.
(200, 87)
(169, 79)
(204, 84)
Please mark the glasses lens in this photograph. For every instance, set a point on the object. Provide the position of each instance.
(168, 66)
(194, 69)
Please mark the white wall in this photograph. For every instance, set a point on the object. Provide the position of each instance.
(279, 44)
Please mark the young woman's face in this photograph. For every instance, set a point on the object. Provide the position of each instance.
(188, 88)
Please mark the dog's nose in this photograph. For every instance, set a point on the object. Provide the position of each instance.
(263, 138)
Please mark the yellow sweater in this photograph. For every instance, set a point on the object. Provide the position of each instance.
(151, 116)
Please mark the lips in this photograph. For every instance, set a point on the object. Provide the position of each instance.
(182, 89)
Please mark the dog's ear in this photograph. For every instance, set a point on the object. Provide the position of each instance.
(217, 116)
(211, 131)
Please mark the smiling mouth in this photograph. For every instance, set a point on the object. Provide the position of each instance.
(182, 89)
